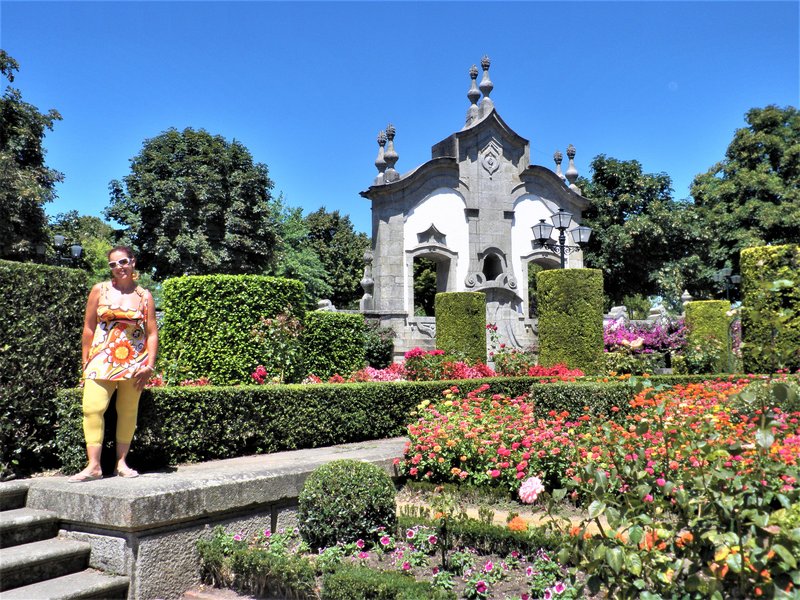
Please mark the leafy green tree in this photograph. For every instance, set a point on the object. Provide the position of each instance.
(95, 236)
(26, 183)
(296, 259)
(424, 287)
(752, 197)
(341, 250)
(196, 204)
(644, 241)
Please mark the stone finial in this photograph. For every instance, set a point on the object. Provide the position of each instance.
(686, 297)
(557, 158)
(486, 87)
(572, 172)
(367, 283)
(380, 162)
(474, 95)
(390, 156)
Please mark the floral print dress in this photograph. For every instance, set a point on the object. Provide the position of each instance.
(118, 347)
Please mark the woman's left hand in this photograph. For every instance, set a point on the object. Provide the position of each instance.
(142, 376)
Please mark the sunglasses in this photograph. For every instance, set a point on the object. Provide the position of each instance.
(122, 262)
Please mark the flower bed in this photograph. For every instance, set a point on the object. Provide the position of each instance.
(417, 561)
(692, 488)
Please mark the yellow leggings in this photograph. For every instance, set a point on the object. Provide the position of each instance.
(96, 396)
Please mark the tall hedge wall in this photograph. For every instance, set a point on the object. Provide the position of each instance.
(209, 319)
(41, 308)
(770, 308)
(570, 303)
(333, 343)
(461, 324)
(709, 323)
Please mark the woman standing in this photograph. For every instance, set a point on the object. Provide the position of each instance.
(119, 343)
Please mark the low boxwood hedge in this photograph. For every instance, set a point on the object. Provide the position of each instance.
(350, 582)
(193, 424)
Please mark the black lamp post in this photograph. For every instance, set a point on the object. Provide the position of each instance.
(725, 277)
(561, 221)
(67, 257)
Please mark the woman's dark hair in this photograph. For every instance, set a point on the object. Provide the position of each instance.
(126, 249)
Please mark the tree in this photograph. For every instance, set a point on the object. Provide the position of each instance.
(196, 204)
(752, 197)
(296, 259)
(26, 183)
(341, 251)
(95, 236)
(642, 240)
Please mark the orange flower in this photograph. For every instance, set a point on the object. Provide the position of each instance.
(574, 531)
(684, 539)
(518, 524)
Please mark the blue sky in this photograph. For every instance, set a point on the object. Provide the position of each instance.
(306, 86)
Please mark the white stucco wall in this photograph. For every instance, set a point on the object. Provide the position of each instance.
(528, 210)
(443, 208)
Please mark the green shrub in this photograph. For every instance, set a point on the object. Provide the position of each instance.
(209, 319)
(709, 333)
(279, 341)
(272, 575)
(461, 324)
(488, 538)
(623, 361)
(378, 345)
(343, 501)
(42, 310)
(351, 582)
(333, 342)
(770, 308)
(571, 318)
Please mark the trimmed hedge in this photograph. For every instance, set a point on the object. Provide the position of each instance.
(334, 342)
(570, 303)
(488, 538)
(708, 323)
(352, 582)
(193, 424)
(209, 319)
(461, 324)
(42, 309)
(770, 308)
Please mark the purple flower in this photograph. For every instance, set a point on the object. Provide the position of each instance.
(237, 537)
(487, 568)
(481, 587)
(432, 540)
(406, 566)
(559, 588)
(410, 533)
(363, 554)
(548, 594)
(386, 540)
(359, 544)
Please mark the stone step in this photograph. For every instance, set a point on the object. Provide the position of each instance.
(37, 561)
(13, 494)
(24, 525)
(84, 584)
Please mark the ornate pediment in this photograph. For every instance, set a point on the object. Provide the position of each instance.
(432, 236)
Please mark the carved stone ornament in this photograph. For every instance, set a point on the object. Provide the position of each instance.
(490, 157)
(428, 329)
(432, 235)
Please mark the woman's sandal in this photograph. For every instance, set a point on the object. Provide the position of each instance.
(83, 477)
(127, 472)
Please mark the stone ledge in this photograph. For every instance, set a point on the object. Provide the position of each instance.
(196, 491)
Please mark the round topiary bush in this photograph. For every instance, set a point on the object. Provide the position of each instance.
(345, 500)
